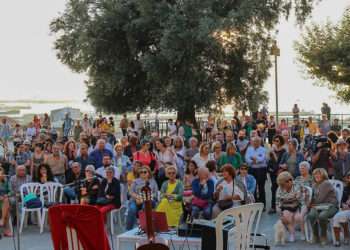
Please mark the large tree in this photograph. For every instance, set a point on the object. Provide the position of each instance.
(184, 55)
(324, 50)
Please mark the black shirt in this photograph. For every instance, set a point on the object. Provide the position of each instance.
(92, 193)
(112, 189)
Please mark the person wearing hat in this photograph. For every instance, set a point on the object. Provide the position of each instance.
(109, 192)
(90, 188)
(342, 218)
(341, 160)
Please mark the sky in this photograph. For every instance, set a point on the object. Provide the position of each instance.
(29, 68)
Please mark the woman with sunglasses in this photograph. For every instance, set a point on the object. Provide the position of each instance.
(136, 200)
(203, 156)
(289, 202)
(89, 190)
(171, 196)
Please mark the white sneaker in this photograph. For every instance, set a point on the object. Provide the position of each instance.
(291, 238)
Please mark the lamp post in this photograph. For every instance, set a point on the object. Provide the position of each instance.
(275, 51)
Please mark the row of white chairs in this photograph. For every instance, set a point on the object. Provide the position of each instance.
(52, 192)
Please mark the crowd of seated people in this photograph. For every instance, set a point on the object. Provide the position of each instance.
(192, 174)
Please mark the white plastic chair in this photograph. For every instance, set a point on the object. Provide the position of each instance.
(24, 190)
(52, 192)
(118, 211)
(239, 237)
(73, 240)
(306, 222)
(339, 188)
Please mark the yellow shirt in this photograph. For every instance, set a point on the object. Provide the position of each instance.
(313, 128)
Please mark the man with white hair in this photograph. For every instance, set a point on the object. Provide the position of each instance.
(19, 179)
(96, 156)
(256, 159)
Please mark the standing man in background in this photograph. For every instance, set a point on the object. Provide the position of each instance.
(139, 126)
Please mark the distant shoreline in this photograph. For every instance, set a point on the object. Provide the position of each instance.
(38, 101)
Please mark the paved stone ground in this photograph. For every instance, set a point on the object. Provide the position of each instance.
(32, 240)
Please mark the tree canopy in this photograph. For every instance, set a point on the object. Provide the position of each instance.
(184, 55)
(324, 51)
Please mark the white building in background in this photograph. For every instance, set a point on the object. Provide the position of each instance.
(57, 116)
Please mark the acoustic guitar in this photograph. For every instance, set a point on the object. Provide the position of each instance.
(152, 243)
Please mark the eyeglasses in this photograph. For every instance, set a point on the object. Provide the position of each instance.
(171, 173)
(143, 172)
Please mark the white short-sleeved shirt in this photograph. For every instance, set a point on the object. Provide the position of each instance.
(228, 190)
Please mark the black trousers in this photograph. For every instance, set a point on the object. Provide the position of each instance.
(260, 176)
(274, 186)
(124, 131)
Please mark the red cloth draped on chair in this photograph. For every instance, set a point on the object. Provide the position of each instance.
(86, 221)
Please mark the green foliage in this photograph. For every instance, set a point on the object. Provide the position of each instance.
(324, 51)
(184, 55)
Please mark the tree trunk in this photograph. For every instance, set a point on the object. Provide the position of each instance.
(187, 114)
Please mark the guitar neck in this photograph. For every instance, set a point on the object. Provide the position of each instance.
(149, 221)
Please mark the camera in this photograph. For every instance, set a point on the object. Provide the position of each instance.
(320, 142)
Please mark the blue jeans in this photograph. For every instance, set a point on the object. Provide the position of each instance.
(70, 193)
(133, 210)
(206, 212)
